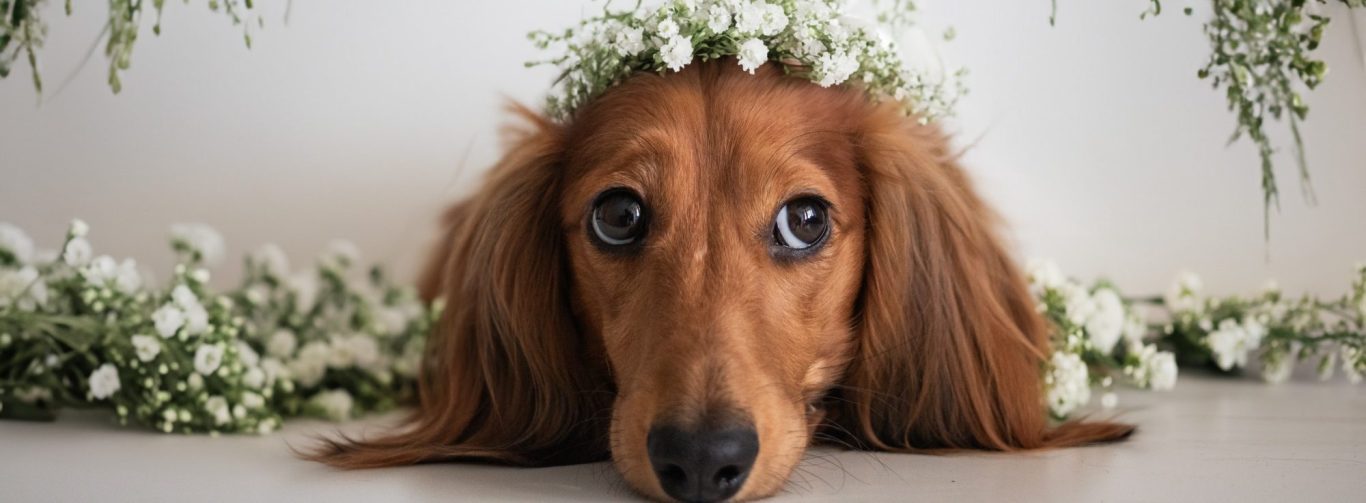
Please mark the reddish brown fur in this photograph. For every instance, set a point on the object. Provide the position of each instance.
(911, 331)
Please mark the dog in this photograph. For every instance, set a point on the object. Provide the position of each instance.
(702, 273)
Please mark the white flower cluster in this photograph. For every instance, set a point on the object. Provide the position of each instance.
(1281, 330)
(1089, 326)
(188, 360)
(814, 39)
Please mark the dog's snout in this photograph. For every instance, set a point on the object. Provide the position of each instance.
(703, 464)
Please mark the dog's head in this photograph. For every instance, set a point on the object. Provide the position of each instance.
(702, 272)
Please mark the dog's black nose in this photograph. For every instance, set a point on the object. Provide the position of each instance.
(706, 464)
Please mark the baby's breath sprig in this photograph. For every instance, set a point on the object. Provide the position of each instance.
(812, 39)
(78, 330)
(22, 30)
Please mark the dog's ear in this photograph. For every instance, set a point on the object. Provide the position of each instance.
(951, 350)
(507, 377)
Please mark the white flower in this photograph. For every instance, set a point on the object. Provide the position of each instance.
(217, 407)
(168, 319)
(1134, 329)
(835, 68)
(196, 320)
(1162, 371)
(23, 288)
(1109, 400)
(750, 18)
(1045, 274)
(1106, 323)
(629, 41)
(200, 275)
(127, 279)
(1277, 367)
(274, 370)
(78, 228)
(16, 242)
(146, 347)
(340, 253)
(273, 259)
(753, 53)
(247, 355)
(335, 404)
(1069, 384)
(195, 381)
(1225, 343)
(77, 252)
(184, 297)
(207, 358)
(254, 377)
(718, 18)
(1184, 294)
(311, 365)
(201, 238)
(104, 381)
(1352, 366)
(253, 400)
(1077, 302)
(773, 19)
(666, 29)
(281, 344)
(677, 53)
(305, 287)
(364, 350)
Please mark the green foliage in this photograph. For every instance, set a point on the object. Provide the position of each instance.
(22, 31)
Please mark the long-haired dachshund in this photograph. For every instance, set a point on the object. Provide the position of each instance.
(704, 272)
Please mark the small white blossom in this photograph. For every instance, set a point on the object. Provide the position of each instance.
(281, 344)
(667, 29)
(254, 378)
(195, 381)
(15, 241)
(201, 238)
(1184, 294)
(78, 228)
(196, 320)
(104, 381)
(629, 41)
(1109, 400)
(207, 358)
(772, 19)
(253, 400)
(311, 365)
(753, 54)
(1162, 371)
(146, 347)
(340, 253)
(334, 404)
(247, 355)
(1068, 382)
(23, 288)
(1045, 274)
(272, 259)
(168, 319)
(677, 53)
(217, 407)
(718, 18)
(364, 351)
(77, 252)
(835, 68)
(1106, 323)
(1277, 366)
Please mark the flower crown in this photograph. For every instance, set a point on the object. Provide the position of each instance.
(813, 39)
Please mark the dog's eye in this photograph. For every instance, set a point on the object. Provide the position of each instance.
(618, 218)
(801, 224)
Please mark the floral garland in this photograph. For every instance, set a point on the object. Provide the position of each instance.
(812, 39)
(78, 330)
(86, 331)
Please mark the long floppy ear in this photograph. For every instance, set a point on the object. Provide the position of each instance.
(951, 350)
(508, 378)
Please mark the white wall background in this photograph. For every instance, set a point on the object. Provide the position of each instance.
(1094, 138)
